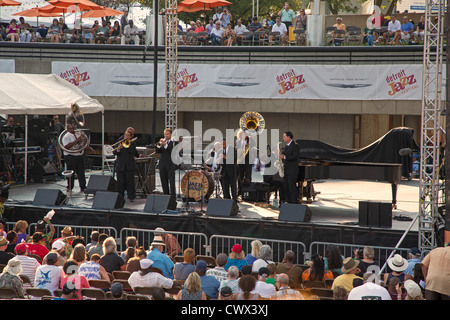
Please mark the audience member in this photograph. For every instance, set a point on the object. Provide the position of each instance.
(124, 19)
(38, 246)
(130, 33)
(72, 275)
(284, 291)
(94, 240)
(301, 20)
(287, 15)
(218, 271)
(369, 290)
(58, 247)
(413, 258)
(13, 32)
(11, 237)
(226, 293)
(281, 28)
(340, 293)
(130, 251)
(232, 280)
(251, 257)
(265, 257)
(93, 270)
(102, 34)
(111, 261)
(68, 292)
(247, 286)
(394, 30)
(316, 271)
(117, 291)
(160, 260)
(147, 278)
(41, 32)
(392, 286)
(20, 228)
(217, 35)
(48, 276)
(41, 227)
(10, 277)
(367, 259)
(192, 289)
(272, 267)
(264, 289)
(116, 34)
(413, 291)
(67, 237)
(172, 247)
(229, 36)
(236, 257)
(397, 264)
(419, 34)
(293, 271)
(407, 29)
(349, 270)
(339, 37)
(55, 31)
(25, 30)
(217, 15)
(333, 259)
(133, 264)
(79, 254)
(210, 26)
(239, 30)
(98, 248)
(436, 271)
(183, 269)
(209, 284)
(4, 256)
(225, 18)
(29, 265)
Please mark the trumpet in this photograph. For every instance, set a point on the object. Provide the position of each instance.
(161, 141)
(279, 163)
(125, 143)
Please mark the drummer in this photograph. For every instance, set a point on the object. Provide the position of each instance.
(212, 163)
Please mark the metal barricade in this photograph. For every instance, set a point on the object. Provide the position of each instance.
(219, 244)
(144, 237)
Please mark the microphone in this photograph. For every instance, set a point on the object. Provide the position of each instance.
(405, 151)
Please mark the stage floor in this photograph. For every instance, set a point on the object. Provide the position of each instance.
(336, 204)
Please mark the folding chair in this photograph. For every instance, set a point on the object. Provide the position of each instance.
(93, 293)
(313, 284)
(299, 36)
(8, 293)
(274, 38)
(121, 274)
(210, 261)
(37, 292)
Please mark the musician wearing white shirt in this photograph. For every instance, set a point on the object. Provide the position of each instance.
(74, 160)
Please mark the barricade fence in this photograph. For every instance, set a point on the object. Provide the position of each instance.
(220, 243)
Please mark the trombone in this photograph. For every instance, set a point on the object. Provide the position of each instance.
(125, 143)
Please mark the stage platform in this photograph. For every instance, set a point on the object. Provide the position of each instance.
(334, 213)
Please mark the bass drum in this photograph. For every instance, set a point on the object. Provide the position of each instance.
(197, 184)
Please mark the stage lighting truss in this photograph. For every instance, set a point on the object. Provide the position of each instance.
(171, 64)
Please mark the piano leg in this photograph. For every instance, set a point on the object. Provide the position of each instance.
(394, 195)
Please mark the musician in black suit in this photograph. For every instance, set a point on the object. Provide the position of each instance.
(126, 166)
(166, 165)
(229, 159)
(290, 156)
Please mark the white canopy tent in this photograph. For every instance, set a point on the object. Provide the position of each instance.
(43, 94)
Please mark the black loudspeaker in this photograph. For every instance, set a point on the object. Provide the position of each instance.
(222, 208)
(375, 214)
(108, 200)
(295, 212)
(158, 203)
(100, 183)
(48, 197)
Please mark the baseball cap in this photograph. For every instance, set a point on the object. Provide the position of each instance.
(21, 248)
(146, 263)
(201, 265)
(69, 287)
(237, 248)
(415, 251)
(58, 245)
(116, 289)
(52, 257)
(226, 291)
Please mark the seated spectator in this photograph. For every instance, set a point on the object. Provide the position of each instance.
(368, 35)
(111, 261)
(94, 240)
(71, 274)
(68, 292)
(58, 247)
(93, 270)
(218, 271)
(413, 258)
(172, 247)
(77, 37)
(147, 278)
(232, 280)
(251, 257)
(79, 254)
(339, 26)
(160, 260)
(436, 270)
(225, 293)
(282, 29)
(209, 284)
(67, 237)
(117, 291)
(98, 248)
(48, 276)
(116, 34)
(25, 31)
(182, 269)
(419, 34)
(333, 259)
(20, 228)
(41, 32)
(38, 246)
(199, 28)
(13, 34)
(397, 264)
(369, 290)
(133, 264)
(265, 257)
(349, 270)
(131, 249)
(55, 31)
(217, 35)
(4, 256)
(210, 26)
(391, 287)
(247, 286)
(130, 33)
(94, 29)
(229, 36)
(63, 24)
(236, 257)
(413, 291)
(284, 291)
(340, 293)
(407, 29)
(293, 271)
(10, 277)
(264, 289)
(394, 30)
(239, 30)
(192, 289)
(316, 271)
(11, 237)
(272, 267)
(41, 227)
(102, 34)
(367, 260)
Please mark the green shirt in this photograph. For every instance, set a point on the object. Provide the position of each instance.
(287, 16)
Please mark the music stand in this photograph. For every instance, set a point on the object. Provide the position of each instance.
(68, 174)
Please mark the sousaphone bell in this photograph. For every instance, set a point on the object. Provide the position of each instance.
(75, 117)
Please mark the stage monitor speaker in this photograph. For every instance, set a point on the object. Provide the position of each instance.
(100, 183)
(375, 214)
(159, 203)
(222, 207)
(108, 200)
(48, 197)
(295, 212)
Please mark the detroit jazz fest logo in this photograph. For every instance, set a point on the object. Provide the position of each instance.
(187, 81)
(76, 77)
(291, 82)
(401, 82)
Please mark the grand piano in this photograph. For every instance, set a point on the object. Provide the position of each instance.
(382, 160)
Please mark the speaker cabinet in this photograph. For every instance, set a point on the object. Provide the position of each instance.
(375, 214)
(222, 208)
(100, 183)
(108, 200)
(157, 203)
(48, 197)
(295, 212)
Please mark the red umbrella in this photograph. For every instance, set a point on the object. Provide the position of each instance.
(36, 12)
(101, 12)
(52, 9)
(187, 9)
(204, 4)
(84, 5)
(9, 3)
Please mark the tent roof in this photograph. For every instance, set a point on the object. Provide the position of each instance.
(44, 94)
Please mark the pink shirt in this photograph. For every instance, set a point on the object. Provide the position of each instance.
(79, 281)
(10, 29)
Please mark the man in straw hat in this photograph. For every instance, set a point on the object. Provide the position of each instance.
(349, 270)
(397, 264)
(160, 260)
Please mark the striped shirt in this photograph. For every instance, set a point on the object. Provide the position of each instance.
(29, 266)
(286, 293)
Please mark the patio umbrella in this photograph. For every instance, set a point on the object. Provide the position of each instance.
(187, 9)
(36, 12)
(101, 12)
(84, 5)
(52, 9)
(204, 4)
(9, 3)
